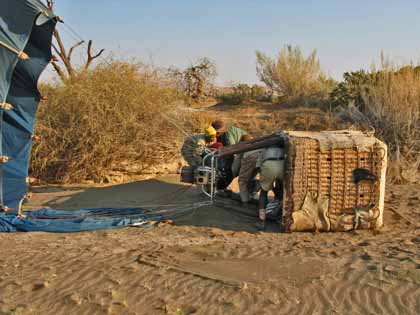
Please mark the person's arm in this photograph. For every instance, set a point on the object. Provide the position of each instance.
(200, 147)
(192, 150)
(236, 135)
(246, 136)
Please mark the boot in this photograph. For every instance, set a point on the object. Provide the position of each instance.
(260, 225)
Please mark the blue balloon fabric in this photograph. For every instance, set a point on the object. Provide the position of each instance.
(66, 221)
(26, 27)
(26, 30)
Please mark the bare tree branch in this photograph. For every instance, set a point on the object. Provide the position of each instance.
(59, 71)
(56, 49)
(62, 49)
(90, 56)
(65, 56)
(72, 49)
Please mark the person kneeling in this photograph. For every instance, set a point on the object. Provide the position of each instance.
(271, 168)
(194, 147)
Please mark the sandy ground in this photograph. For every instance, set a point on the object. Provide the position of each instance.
(211, 261)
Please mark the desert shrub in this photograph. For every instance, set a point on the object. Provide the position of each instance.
(231, 98)
(260, 93)
(294, 77)
(389, 101)
(115, 113)
(241, 93)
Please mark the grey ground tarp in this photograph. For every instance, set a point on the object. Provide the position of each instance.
(25, 26)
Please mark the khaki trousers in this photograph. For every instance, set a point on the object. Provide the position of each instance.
(246, 174)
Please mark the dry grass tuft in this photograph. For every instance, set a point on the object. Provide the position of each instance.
(391, 104)
(114, 113)
(296, 79)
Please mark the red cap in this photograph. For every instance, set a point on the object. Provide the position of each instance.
(217, 145)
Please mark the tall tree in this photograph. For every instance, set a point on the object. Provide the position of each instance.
(197, 79)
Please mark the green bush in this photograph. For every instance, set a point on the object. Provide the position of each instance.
(231, 98)
(352, 89)
(241, 93)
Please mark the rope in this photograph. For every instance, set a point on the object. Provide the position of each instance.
(73, 33)
(20, 54)
(42, 8)
(175, 124)
(126, 212)
(222, 204)
(65, 30)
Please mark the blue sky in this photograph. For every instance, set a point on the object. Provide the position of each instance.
(348, 35)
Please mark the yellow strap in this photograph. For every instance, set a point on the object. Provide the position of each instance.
(20, 54)
(4, 159)
(6, 106)
(5, 209)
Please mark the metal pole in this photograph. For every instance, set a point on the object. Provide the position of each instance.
(212, 181)
(253, 144)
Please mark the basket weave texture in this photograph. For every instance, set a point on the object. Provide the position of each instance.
(321, 165)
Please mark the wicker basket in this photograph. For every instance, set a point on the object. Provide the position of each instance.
(320, 189)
